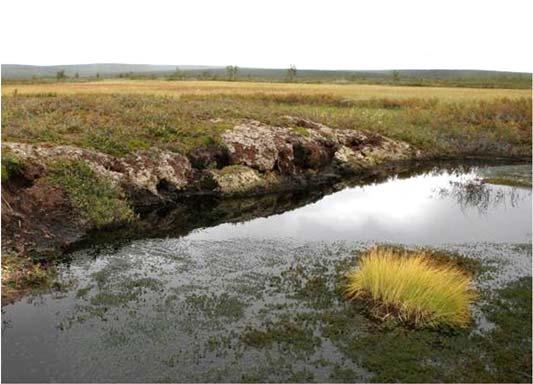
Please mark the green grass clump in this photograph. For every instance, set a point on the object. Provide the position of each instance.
(11, 165)
(412, 288)
(99, 201)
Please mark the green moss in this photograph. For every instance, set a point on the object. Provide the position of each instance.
(99, 201)
(11, 165)
(301, 131)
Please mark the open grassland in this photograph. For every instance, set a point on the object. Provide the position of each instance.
(119, 117)
(178, 88)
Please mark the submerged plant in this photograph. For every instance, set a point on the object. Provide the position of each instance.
(412, 288)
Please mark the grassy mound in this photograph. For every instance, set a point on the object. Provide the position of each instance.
(99, 201)
(412, 288)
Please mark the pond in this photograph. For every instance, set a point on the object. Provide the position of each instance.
(255, 300)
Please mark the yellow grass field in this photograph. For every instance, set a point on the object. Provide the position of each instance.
(177, 88)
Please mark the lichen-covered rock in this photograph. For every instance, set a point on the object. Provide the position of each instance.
(152, 170)
(268, 148)
(259, 146)
(312, 155)
(146, 170)
(347, 157)
(209, 157)
(359, 157)
(41, 154)
(237, 179)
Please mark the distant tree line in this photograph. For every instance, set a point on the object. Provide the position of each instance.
(292, 74)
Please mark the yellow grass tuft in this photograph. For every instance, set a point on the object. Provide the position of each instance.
(412, 288)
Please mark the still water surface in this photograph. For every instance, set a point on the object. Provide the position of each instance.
(175, 309)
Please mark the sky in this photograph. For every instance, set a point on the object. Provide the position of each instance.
(329, 34)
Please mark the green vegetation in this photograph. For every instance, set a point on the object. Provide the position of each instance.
(427, 355)
(21, 275)
(291, 73)
(231, 71)
(287, 334)
(447, 78)
(214, 306)
(300, 328)
(412, 288)
(98, 200)
(508, 175)
(11, 165)
(120, 124)
(500, 354)
(508, 181)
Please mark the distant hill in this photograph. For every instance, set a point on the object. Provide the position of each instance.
(416, 77)
(19, 71)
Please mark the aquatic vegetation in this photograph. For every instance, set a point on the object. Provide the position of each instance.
(183, 330)
(20, 274)
(412, 288)
(429, 355)
(290, 335)
(508, 181)
(511, 175)
(217, 306)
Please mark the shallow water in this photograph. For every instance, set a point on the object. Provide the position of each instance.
(424, 209)
(180, 309)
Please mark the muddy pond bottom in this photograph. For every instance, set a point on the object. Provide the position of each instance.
(259, 300)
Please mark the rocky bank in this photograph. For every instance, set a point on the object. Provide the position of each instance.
(42, 217)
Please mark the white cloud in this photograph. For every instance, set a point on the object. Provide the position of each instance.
(332, 34)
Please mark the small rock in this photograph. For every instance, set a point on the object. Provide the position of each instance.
(237, 179)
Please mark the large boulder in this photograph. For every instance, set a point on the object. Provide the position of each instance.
(289, 150)
(260, 146)
(157, 171)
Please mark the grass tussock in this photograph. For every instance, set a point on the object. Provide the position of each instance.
(412, 288)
